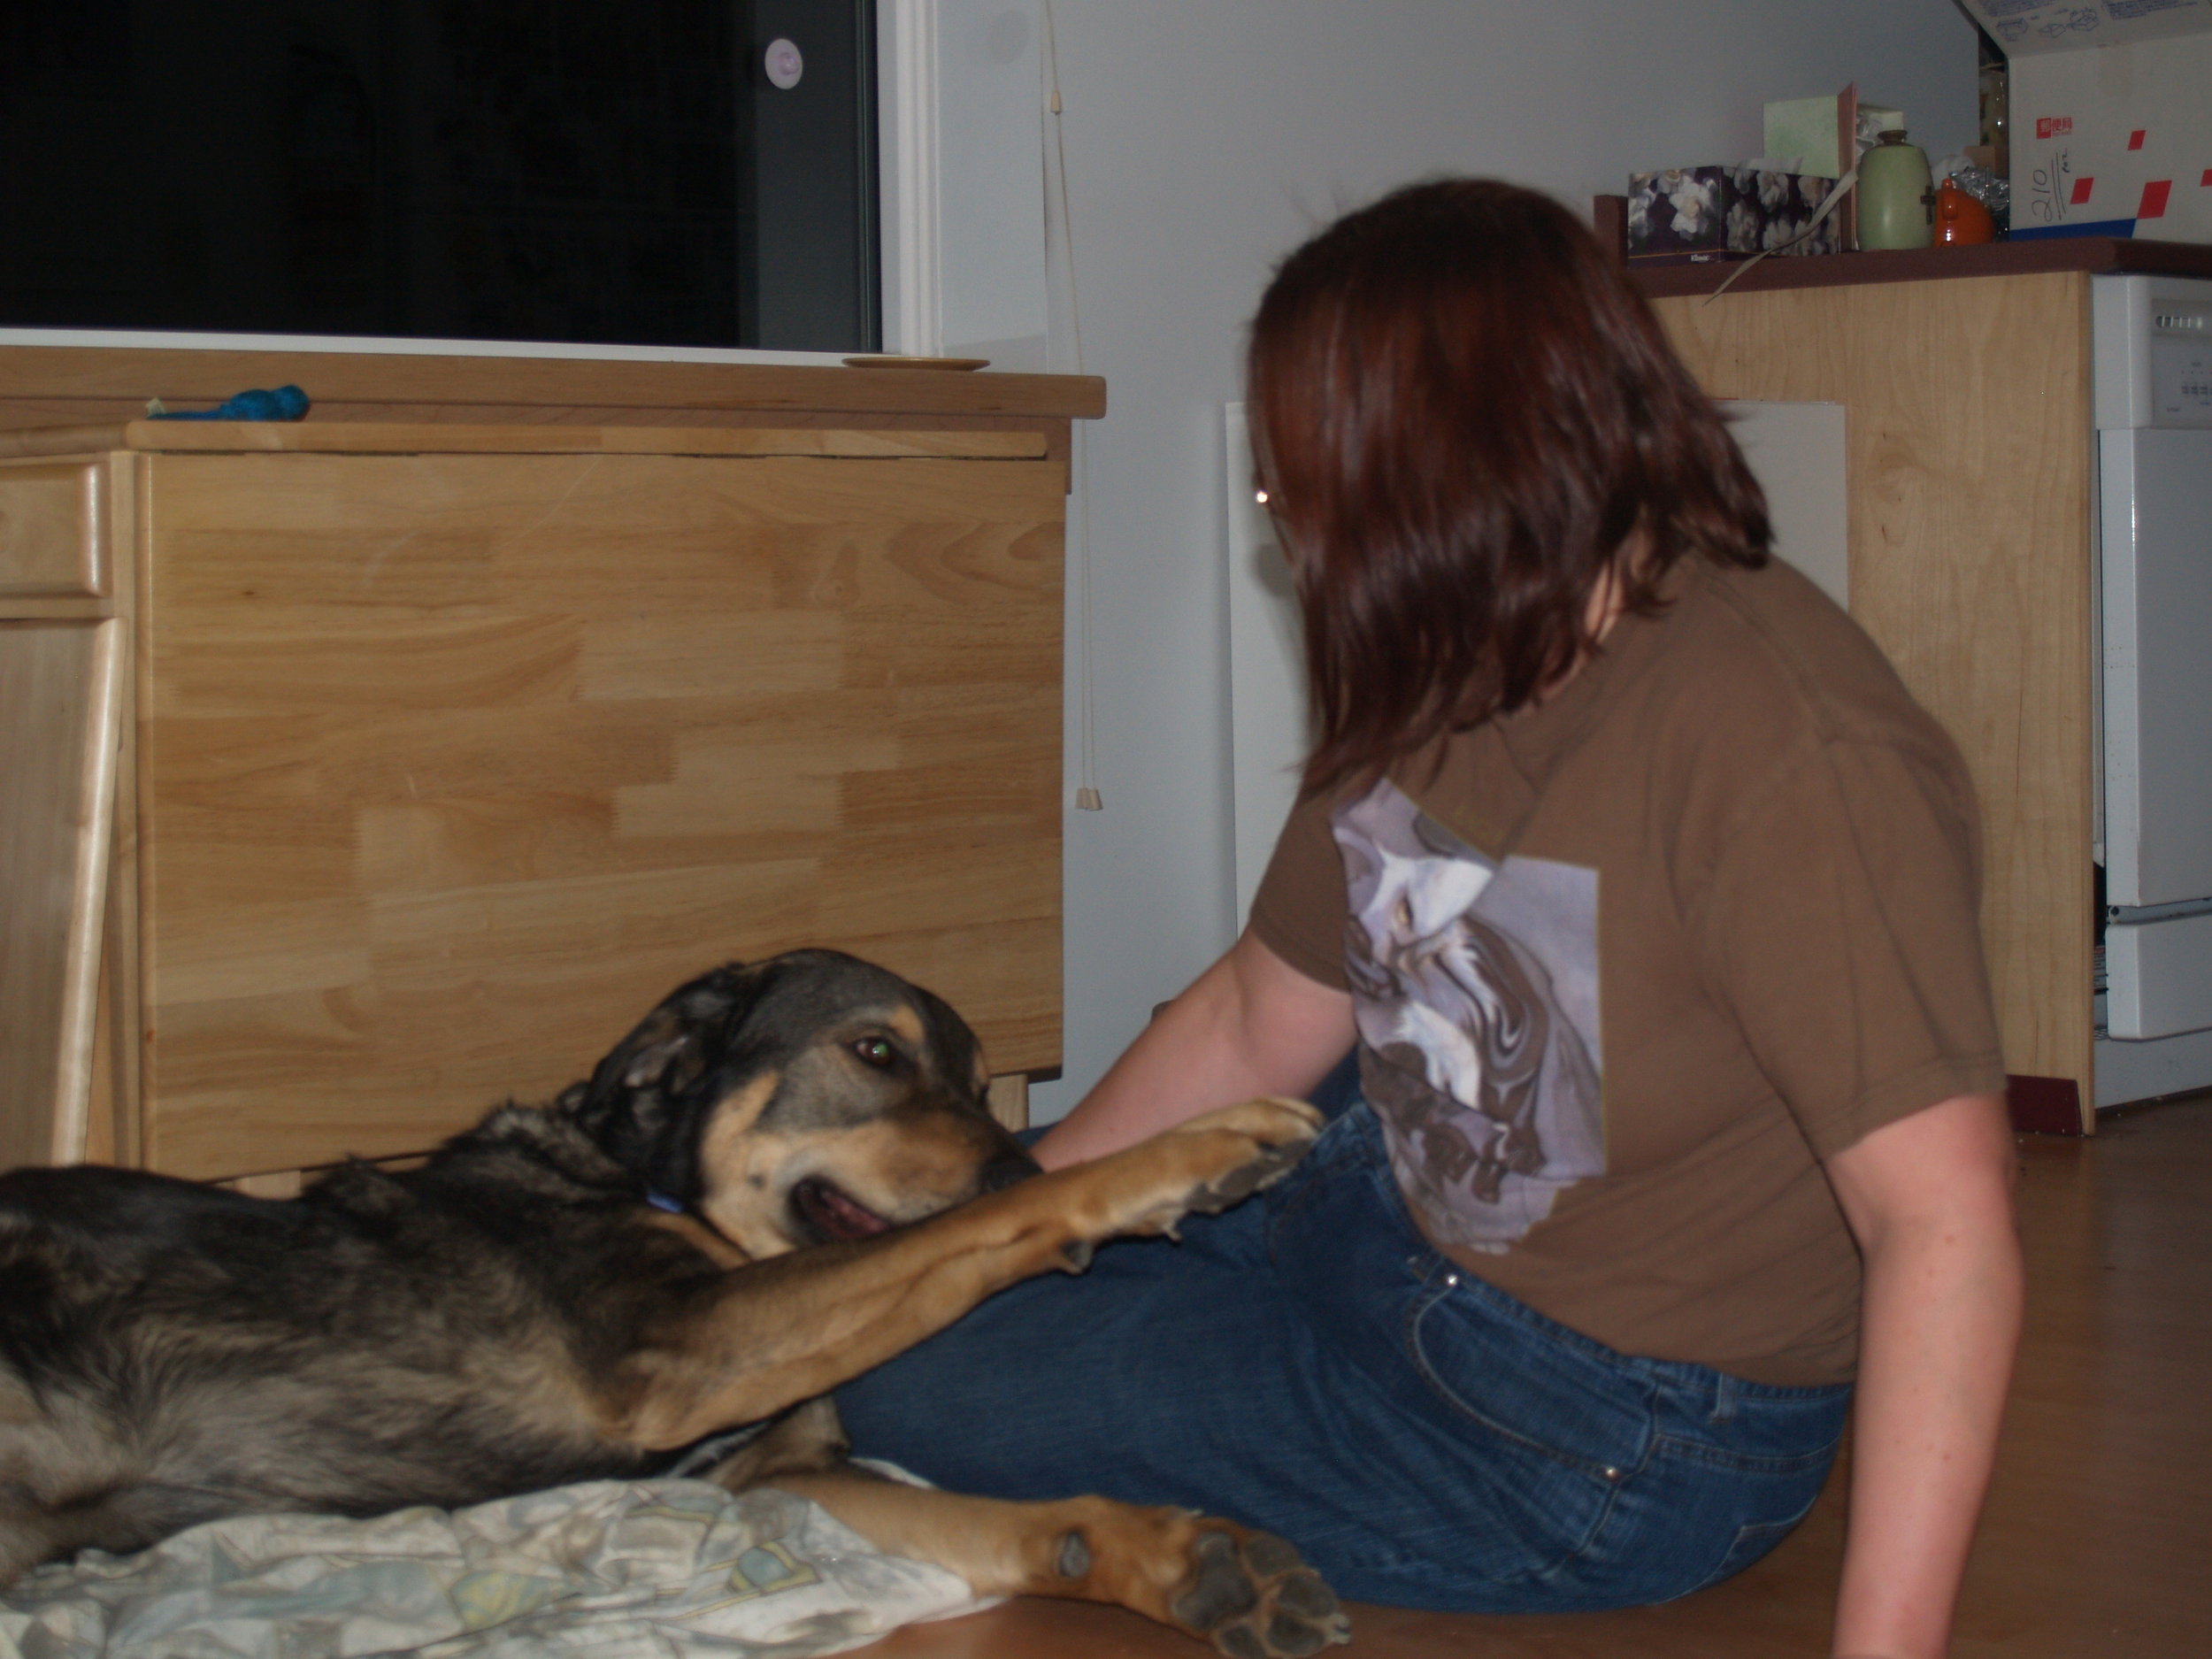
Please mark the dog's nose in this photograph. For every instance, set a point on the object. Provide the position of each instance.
(1001, 1173)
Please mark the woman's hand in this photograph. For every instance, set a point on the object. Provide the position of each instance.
(1929, 1199)
(1250, 1025)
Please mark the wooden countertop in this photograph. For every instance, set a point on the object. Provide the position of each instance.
(2096, 255)
(109, 386)
(189, 376)
(368, 437)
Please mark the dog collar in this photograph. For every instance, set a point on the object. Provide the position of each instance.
(661, 1200)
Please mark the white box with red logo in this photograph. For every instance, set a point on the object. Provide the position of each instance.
(2111, 115)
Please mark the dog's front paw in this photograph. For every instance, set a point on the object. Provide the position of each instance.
(1276, 1133)
(1203, 1165)
(1251, 1595)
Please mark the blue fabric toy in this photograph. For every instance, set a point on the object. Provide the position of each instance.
(286, 402)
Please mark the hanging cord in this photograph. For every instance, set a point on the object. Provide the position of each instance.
(1088, 798)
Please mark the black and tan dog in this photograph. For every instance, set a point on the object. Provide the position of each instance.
(752, 1200)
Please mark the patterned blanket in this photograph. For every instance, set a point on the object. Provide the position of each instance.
(617, 1570)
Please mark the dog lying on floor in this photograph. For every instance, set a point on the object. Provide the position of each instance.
(784, 1175)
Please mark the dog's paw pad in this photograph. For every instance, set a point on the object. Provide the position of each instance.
(1259, 1600)
(1302, 1593)
(1219, 1589)
(1268, 1165)
(1293, 1638)
(1269, 1555)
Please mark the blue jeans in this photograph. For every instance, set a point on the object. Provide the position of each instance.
(1307, 1363)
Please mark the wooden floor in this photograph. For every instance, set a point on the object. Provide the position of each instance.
(2097, 1537)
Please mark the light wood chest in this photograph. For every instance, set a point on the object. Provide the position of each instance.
(360, 776)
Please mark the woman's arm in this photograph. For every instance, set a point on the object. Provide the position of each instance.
(1929, 1199)
(1249, 1025)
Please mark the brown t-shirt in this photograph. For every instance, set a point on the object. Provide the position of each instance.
(1629, 964)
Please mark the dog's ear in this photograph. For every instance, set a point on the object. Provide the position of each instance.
(954, 1039)
(641, 1094)
(670, 1062)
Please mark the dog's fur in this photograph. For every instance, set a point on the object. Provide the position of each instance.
(784, 1176)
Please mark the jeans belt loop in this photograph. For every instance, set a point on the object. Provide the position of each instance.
(1725, 1400)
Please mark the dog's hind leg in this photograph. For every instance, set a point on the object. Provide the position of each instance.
(1248, 1592)
(25, 1540)
(58, 1471)
(765, 1336)
(31, 1534)
(119, 1519)
(805, 1440)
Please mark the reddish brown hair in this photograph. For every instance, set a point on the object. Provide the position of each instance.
(1465, 417)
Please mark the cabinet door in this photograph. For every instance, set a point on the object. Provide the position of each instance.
(452, 765)
(59, 695)
(2157, 521)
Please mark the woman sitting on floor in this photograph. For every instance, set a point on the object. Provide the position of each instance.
(1646, 896)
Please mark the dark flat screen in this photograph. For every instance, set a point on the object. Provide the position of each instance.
(524, 170)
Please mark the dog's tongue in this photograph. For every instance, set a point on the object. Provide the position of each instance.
(835, 1215)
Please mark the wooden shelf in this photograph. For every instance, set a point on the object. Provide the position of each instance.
(2093, 255)
(346, 437)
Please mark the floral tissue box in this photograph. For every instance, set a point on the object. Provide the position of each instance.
(1694, 213)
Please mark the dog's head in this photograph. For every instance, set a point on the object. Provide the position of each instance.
(807, 1098)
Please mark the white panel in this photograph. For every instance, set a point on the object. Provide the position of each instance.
(991, 190)
(1267, 675)
(2119, 314)
(1796, 452)
(2158, 976)
(2129, 1071)
(2157, 559)
(906, 175)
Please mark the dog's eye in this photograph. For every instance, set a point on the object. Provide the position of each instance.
(875, 1051)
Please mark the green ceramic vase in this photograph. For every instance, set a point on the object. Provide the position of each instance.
(1896, 195)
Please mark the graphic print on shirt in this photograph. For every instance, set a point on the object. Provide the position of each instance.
(1475, 985)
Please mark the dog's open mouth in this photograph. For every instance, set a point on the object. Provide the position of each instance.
(829, 1213)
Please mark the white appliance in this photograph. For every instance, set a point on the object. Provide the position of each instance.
(2153, 342)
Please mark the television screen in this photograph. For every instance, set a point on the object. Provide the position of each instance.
(516, 170)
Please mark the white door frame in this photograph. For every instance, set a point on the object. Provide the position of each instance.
(907, 175)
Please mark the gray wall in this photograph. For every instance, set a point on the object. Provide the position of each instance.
(1205, 138)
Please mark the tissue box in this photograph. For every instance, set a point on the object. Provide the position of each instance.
(1685, 214)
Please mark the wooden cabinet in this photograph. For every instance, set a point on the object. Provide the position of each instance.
(364, 775)
(1966, 381)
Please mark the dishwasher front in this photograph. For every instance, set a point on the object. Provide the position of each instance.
(2153, 390)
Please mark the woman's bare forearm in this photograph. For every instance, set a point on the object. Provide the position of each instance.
(1941, 1320)
(1250, 1025)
